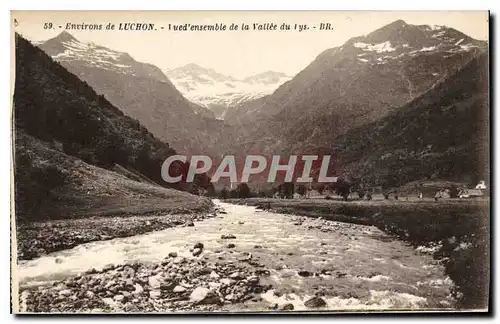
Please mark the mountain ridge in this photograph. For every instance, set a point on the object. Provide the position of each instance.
(347, 86)
(70, 144)
(220, 93)
(142, 91)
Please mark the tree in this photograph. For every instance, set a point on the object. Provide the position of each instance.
(343, 188)
(302, 190)
(210, 190)
(287, 189)
(224, 194)
(233, 193)
(243, 190)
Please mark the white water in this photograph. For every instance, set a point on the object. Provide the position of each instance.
(366, 269)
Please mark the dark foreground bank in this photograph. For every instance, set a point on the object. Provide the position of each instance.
(459, 227)
(175, 284)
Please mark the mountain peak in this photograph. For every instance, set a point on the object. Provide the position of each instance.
(399, 34)
(56, 45)
(400, 23)
(192, 66)
(267, 77)
(193, 70)
(64, 37)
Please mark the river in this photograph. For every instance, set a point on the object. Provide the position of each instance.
(353, 266)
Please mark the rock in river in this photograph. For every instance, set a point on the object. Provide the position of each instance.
(204, 295)
(235, 275)
(154, 294)
(196, 252)
(304, 273)
(227, 236)
(119, 298)
(198, 246)
(179, 289)
(199, 294)
(138, 289)
(154, 281)
(65, 292)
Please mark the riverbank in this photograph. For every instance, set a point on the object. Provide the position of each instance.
(37, 238)
(175, 284)
(458, 231)
(40, 238)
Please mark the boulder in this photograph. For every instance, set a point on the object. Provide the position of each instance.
(235, 275)
(287, 307)
(214, 275)
(138, 289)
(253, 280)
(214, 285)
(154, 282)
(231, 246)
(154, 294)
(315, 302)
(198, 246)
(65, 292)
(196, 252)
(179, 289)
(304, 273)
(172, 255)
(119, 298)
(202, 295)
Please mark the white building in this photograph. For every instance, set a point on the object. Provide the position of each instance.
(481, 185)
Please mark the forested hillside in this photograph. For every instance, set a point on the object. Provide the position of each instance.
(443, 134)
(64, 114)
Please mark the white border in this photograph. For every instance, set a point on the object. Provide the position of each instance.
(187, 5)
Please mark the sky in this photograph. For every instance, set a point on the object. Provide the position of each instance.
(236, 53)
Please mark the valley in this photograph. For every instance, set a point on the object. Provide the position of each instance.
(402, 111)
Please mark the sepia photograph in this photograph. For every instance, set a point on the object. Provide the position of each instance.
(250, 162)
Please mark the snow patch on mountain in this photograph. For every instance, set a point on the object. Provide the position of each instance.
(379, 48)
(219, 92)
(428, 49)
(66, 48)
